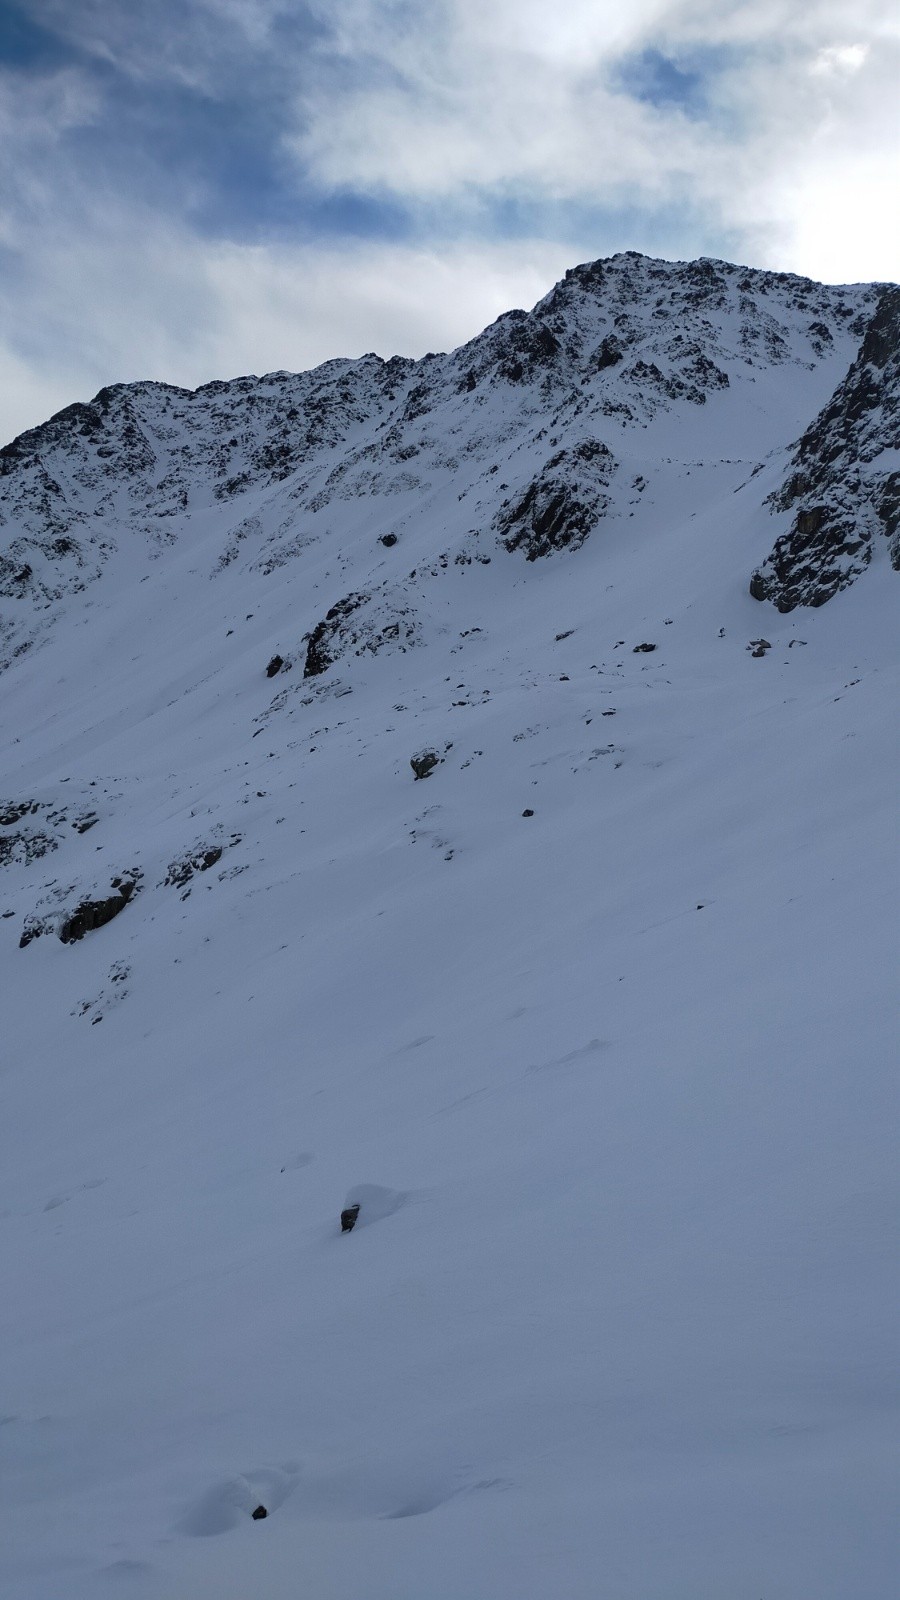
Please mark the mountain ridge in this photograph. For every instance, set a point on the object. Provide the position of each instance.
(598, 351)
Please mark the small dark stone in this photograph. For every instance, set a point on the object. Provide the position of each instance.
(388, 540)
(259, 1513)
(348, 1219)
(275, 665)
(643, 649)
(528, 812)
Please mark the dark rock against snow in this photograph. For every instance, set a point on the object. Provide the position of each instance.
(259, 1513)
(425, 762)
(181, 871)
(843, 495)
(388, 540)
(348, 1219)
(608, 353)
(72, 925)
(90, 914)
(22, 848)
(558, 508)
(13, 810)
(360, 624)
(643, 649)
(275, 666)
(319, 651)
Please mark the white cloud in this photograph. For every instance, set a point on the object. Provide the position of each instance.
(524, 98)
(166, 306)
(789, 158)
(839, 58)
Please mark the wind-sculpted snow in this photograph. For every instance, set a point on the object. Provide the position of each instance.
(405, 805)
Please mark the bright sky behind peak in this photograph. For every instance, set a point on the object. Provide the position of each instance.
(194, 188)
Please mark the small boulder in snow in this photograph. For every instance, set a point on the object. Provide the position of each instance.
(424, 762)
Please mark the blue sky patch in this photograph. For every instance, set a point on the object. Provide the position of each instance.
(660, 80)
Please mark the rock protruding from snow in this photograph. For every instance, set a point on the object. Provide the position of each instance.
(424, 762)
(560, 506)
(360, 624)
(843, 494)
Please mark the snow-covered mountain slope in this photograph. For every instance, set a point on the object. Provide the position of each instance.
(596, 1019)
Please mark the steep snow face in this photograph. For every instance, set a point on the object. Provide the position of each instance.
(401, 807)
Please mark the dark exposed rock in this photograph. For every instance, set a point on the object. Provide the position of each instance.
(558, 508)
(181, 871)
(318, 652)
(608, 353)
(23, 848)
(529, 345)
(90, 914)
(364, 624)
(388, 540)
(259, 1513)
(348, 1219)
(643, 649)
(275, 666)
(841, 496)
(425, 762)
(12, 810)
(528, 812)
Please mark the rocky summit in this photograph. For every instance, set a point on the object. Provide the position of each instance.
(460, 794)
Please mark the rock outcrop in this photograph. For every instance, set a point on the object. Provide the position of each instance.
(844, 485)
(560, 506)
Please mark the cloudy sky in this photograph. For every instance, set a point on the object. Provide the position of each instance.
(197, 188)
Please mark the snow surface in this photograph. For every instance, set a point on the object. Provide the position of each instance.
(614, 1083)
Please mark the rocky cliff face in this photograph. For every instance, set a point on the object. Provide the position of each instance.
(843, 485)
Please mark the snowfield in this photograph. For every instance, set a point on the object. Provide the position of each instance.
(597, 1021)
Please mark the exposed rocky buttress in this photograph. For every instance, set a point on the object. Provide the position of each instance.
(844, 495)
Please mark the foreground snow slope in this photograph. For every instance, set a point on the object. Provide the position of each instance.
(612, 1082)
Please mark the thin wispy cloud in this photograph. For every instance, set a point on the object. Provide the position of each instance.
(191, 188)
